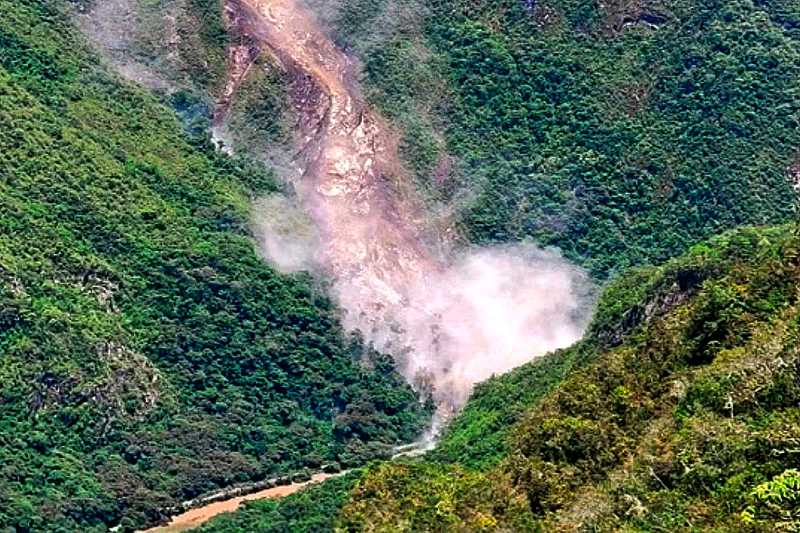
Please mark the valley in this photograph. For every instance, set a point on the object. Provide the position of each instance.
(501, 265)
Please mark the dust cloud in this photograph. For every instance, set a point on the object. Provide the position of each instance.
(483, 311)
(450, 317)
(488, 310)
(492, 310)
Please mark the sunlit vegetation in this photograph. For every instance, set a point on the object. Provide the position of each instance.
(680, 411)
(147, 354)
(624, 133)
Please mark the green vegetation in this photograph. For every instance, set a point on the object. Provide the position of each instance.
(427, 497)
(167, 45)
(259, 118)
(477, 438)
(312, 510)
(147, 355)
(202, 44)
(680, 412)
(621, 132)
(776, 501)
(624, 133)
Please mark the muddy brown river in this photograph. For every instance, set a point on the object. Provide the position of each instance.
(195, 517)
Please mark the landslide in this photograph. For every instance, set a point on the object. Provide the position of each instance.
(621, 132)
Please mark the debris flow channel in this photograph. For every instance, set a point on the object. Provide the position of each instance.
(450, 317)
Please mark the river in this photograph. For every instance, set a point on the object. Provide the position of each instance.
(195, 517)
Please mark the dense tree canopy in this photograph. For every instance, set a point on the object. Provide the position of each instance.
(147, 354)
(621, 132)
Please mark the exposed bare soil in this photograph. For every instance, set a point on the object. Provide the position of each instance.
(449, 319)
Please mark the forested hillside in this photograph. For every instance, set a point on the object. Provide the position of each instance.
(621, 132)
(679, 412)
(147, 354)
(625, 133)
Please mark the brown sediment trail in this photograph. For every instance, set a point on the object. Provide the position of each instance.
(352, 183)
(195, 517)
(347, 151)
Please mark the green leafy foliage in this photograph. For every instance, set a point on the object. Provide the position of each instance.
(677, 411)
(620, 132)
(428, 497)
(777, 500)
(147, 354)
(477, 438)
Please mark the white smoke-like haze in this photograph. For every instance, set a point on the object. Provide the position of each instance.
(487, 311)
(286, 235)
(490, 311)
(450, 317)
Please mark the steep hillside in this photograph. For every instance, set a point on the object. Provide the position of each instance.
(680, 412)
(621, 132)
(173, 46)
(147, 354)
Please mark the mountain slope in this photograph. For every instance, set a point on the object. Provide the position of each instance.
(620, 132)
(681, 412)
(147, 354)
(624, 133)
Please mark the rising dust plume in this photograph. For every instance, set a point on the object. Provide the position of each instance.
(450, 318)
